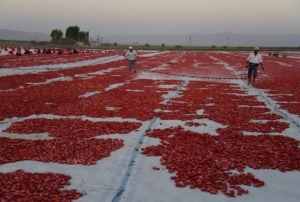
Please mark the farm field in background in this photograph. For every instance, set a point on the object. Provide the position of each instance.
(184, 127)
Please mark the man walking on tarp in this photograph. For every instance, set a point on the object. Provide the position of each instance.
(253, 61)
(131, 55)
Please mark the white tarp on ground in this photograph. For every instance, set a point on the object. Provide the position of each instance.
(154, 54)
(45, 68)
(3, 52)
(148, 185)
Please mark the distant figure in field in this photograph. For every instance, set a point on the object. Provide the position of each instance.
(75, 51)
(60, 52)
(253, 61)
(18, 53)
(49, 51)
(131, 55)
(27, 52)
(38, 51)
(70, 51)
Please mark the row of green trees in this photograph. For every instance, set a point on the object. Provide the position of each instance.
(72, 32)
(56, 35)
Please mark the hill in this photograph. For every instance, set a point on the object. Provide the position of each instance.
(220, 39)
(23, 36)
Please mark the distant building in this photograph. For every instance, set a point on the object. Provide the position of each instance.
(80, 43)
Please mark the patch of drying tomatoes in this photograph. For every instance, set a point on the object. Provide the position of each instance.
(195, 64)
(158, 60)
(60, 150)
(128, 104)
(71, 128)
(52, 98)
(207, 162)
(63, 98)
(195, 124)
(203, 155)
(25, 80)
(268, 127)
(41, 187)
(12, 61)
(285, 70)
(234, 108)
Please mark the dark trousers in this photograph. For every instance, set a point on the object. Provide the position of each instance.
(252, 68)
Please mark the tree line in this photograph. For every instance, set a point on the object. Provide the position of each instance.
(72, 33)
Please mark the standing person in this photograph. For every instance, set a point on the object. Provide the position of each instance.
(253, 61)
(18, 53)
(131, 55)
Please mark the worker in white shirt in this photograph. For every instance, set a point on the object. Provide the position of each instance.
(253, 61)
(131, 55)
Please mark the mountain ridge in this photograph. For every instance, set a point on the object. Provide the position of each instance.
(204, 39)
(7, 34)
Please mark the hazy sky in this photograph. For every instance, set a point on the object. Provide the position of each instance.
(131, 17)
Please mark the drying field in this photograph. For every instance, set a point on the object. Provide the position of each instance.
(184, 127)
